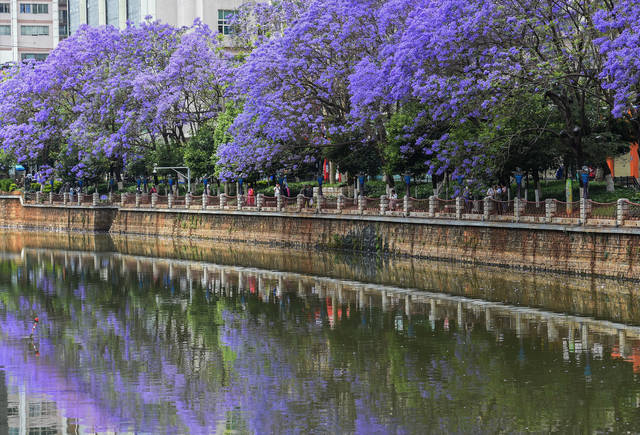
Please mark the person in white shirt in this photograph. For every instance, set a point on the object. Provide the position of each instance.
(490, 192)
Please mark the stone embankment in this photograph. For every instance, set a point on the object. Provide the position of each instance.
(565, 244)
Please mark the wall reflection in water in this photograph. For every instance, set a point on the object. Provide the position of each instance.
(130, 343)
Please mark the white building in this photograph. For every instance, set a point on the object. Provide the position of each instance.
(30, 29)
(214, 13)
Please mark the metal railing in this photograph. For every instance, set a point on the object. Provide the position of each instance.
(602, 210)
(533, 208)
(549, 211)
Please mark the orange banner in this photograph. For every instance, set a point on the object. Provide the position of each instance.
(611, 166)
(633, 154)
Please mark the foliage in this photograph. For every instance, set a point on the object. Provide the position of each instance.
(465, 89)
(106, 97)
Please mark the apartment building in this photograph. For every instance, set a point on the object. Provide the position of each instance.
(30, 29)
(214, 13)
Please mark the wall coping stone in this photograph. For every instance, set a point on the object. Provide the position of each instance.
(575, 228)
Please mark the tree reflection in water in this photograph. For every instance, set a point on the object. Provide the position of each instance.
(130, 343)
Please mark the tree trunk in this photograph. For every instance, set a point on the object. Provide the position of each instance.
(538, 187)
(608, 178)
(390, 183)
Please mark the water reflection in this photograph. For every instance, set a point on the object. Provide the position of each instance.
(132, 343)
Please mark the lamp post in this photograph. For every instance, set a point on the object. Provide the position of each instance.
(584, 177)
(518, 176)
(361, 177)
(175, 169)
(407, 182)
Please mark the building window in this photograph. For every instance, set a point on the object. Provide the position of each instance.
(5, 30)
(34, 30)
(224, 21)
(4, 8)
(33, 56)
(34, 8)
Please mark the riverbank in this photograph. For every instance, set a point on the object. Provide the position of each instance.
(593, 250)
(600, 298)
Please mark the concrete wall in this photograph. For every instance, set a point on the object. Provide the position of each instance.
(604, 251)
(589, 250)
(54, 218)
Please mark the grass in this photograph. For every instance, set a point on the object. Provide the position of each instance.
(555, 189)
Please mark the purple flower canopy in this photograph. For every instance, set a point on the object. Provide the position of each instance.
(107, 94)
(320, 73)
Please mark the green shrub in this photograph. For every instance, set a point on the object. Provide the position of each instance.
(56, 186)
(5, 185)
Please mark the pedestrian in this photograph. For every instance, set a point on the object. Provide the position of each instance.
(393, 199)
(250, 196)
(491, 192)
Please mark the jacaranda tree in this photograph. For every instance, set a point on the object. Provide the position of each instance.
(107, 96)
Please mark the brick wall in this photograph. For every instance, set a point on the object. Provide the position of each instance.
(599, 251)
(605, 251)
(56, 218)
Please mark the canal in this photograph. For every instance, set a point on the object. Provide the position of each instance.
(141, 337)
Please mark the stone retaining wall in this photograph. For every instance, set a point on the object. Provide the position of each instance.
(606, 251)
(54, 217)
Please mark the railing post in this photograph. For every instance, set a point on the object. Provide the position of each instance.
(622, 211)
(300, 202)
(239, 199)
(65, 198)
(486, 208)
(38, 197)
(79, 195)
(340, 203)
(170, 200)
(549, 209)
(583, 211)
(51, 197)
(259, 201)
(405, 205)
(223, 200)
(123, 199)
(110, 199)
(516, 209)
(459, 207)
(360, 204)
(319, 199)
(205, 200)
(137, 199)
(187, 200)
(384, 204)
(95, 198)
(278, 202)
(432, 206)
(154, 200)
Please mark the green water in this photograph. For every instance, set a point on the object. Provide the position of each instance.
(132, 343)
